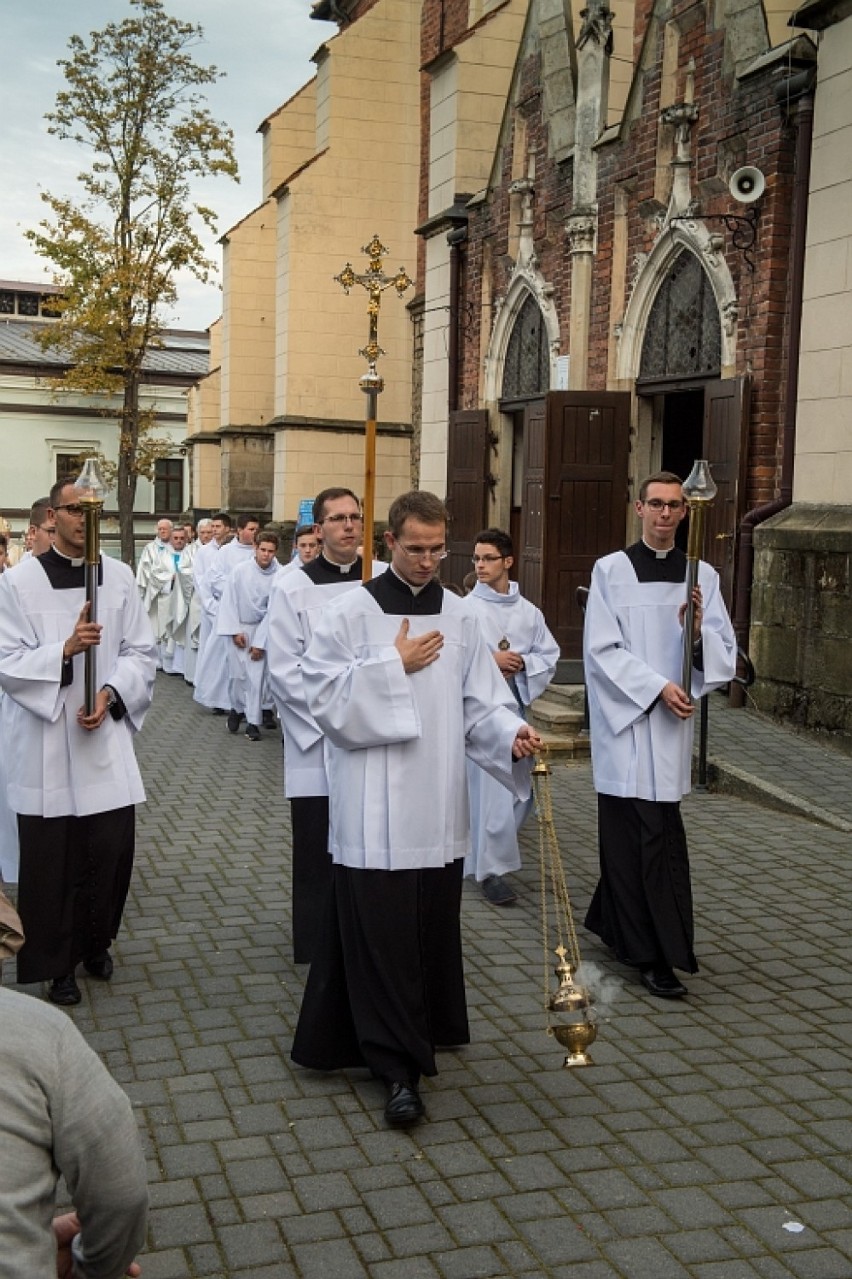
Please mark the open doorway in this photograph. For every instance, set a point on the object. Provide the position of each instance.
(683, 438)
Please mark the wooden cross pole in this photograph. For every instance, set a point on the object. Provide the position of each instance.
(372, 383)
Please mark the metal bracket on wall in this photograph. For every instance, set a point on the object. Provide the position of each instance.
(742, 228)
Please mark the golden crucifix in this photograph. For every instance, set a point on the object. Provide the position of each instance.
(375, 282)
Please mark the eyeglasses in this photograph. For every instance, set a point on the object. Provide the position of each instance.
(486, 559)
(433, 553)
(343, 519)
(43, 528)
(657, 504)
(73, 508)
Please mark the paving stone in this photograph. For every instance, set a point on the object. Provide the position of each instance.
(701, 1130)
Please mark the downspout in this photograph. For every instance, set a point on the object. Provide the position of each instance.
(456, 238)
(799, 87)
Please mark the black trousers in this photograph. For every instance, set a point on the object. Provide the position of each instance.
(311, 872)
(73, 883)
(642, 906)
(387, 981)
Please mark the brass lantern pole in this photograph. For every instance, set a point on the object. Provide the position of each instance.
(699, 490)
(91, 492)
(372, 383)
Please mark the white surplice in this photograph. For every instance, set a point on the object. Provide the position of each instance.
(56, 768)
(155, 575)
(9, 852)
(245, 600)
(211, 675)
(633, 647)
(295, 603)
(495, 818)
(396, 743)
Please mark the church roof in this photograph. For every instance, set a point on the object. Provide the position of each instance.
(184, 352)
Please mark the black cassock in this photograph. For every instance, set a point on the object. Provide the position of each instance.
(642, 906)
(386, 984)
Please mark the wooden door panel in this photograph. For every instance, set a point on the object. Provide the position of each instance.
(586, 484)
(530, 560)
(467, 489)
(726, 406)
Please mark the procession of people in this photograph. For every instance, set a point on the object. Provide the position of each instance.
(371, 679)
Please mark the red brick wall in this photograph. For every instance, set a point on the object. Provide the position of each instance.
(742, 116)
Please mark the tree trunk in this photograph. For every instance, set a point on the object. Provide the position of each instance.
(128, 440)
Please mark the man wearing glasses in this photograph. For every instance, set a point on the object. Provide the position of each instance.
(641, 730)
(399, 678)
(298, 597)
(72, 777)
(526, 654)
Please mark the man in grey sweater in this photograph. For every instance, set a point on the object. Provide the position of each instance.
(62, 1112)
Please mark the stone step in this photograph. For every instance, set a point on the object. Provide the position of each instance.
(567, 745)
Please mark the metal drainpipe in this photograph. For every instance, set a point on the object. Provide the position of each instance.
(456, 238)
(799, 86)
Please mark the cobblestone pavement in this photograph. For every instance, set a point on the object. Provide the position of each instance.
(711, 1139)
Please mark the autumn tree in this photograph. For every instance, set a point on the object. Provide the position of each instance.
(133, 100)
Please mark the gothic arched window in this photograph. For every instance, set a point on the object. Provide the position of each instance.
(683, 336)
(526, 371)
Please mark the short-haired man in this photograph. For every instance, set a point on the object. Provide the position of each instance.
(400, 679)
(61, 1112)
(641, 729)
(72, 777)
(526, 654)
(306, 545)
(155, 575)
(245, 600)
(40, 530)
(298, 597)
(212, 677)
(173, 651)
(213, 681)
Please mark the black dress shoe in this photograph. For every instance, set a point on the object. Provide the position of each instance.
(404, 1106)
(268, 720)
(253, 732)
(662, 983)
(64, 991)
(234, 718)
(100, 966)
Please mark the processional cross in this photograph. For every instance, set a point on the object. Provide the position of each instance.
(375, 281)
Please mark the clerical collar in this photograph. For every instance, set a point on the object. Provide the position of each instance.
(660, 555)
(69, 559)
(415, 590)
(332, 566)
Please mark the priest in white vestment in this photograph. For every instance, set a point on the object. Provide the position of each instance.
(72, 778)
(400, 680)
(526, 654)
(155, 575)
(245, 600)
(642, 722)
(300, 595)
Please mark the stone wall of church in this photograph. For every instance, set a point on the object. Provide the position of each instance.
(247, 460)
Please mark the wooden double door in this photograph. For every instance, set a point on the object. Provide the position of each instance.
(574, 491)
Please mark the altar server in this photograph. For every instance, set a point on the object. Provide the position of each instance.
(155, 575)
(72, 777)
(526, 654)
(399, 678)
(642, 729)
(211, 676)
(299, 596)
(245, 600)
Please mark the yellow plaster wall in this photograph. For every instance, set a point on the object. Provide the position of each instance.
(308, 461)
(365, 183)
(823, 470)
(485, 64)
(289, 137)
(248, 320)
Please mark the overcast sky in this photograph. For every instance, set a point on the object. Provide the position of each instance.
(264, 46)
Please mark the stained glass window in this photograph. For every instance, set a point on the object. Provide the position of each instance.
(527, 368)
(683, 337)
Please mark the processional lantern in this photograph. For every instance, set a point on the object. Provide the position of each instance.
(571, 1002)
(91, 492)
(372, 383)
(699, 490)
